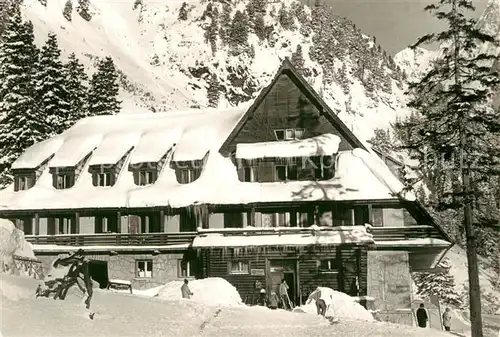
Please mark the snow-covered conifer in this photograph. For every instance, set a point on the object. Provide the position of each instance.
(51, 92)
(104, 89)
(259, 26)
(22, 124)
(440, 284)
(76, 79)
(83, 8)
(213, 91)
(298, 58)
(68, 10)
(285, 19)
(183, 12)
(225, 23)
(238, 38)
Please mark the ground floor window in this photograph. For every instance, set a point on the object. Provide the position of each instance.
(328, 265)
(238, 267)
(144, 268)
(185, 268)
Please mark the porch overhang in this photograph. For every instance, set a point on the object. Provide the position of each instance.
(296, 237)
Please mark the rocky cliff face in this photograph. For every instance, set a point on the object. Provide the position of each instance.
(174, 55)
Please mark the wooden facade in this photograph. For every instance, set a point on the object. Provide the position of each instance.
(342, 268)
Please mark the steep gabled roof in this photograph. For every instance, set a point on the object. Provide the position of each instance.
(288, 69)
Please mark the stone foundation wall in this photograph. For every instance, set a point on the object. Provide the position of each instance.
(389, 282)
(123, 266)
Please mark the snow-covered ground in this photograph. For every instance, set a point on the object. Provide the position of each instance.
(119, 314)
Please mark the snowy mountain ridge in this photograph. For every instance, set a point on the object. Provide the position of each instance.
(168, 62)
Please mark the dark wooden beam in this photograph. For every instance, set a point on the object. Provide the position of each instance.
(162, 221)
(77, 223)
(37, 224)
(118, 222)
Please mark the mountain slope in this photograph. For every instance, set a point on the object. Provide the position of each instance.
(168, 62)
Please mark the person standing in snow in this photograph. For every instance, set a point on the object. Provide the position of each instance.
(447, 319)
(273, 300)
(186, 292)
(422, 317)
(285, 299)
(321, 306)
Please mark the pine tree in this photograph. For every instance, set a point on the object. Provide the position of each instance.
(238, 38)
(51, 92)
(285, 18)
(259, 26)
(83, 8)
(213, 29)
(183, 12)
(22, 124)
(382, 140)
(225, 23)
(457, 124)
(68, 10)
(440, 284)
(8, 8)
(213, 91)
(104, 89)
(298, 59)
(77, 89)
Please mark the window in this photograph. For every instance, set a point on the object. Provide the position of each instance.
(186, 176)
(24, 183)
(146, 177)
(238, 267)
(64, 181)
(286, 172)
(104, 179)
(299, 133)
(280, 134)
(328, 266)
(289, 134)
(144, 268)
(185, 268)
(250, 174)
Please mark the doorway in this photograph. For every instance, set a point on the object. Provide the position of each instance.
(98, 271)
(283, 269)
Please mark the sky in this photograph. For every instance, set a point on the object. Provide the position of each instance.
(395, 23)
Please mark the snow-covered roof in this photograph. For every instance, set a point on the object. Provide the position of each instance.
(113, 147)
(322, 145)
(38, 153)
(352, 235)
(190, 135)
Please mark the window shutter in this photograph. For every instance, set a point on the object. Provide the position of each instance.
(94, 179)
(136, 177)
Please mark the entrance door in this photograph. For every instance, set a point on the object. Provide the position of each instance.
(98, 271)
(283, 269)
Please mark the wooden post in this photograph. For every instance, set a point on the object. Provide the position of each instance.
(77, 223)
(252, 217)
(162, 221)
(118, 222)
(358, 270)
(298, 284)
(370, 214)
(37, 224)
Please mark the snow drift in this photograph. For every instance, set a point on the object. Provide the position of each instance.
(12, 243)
(209, 291)
(339, 306)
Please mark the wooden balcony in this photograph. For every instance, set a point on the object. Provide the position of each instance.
(167, 239)
(113, 239)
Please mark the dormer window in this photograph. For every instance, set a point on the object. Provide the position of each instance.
(188, 175)
(24, 182)
(145, 177)
(104, 179)
(63, 181)
(289, 134)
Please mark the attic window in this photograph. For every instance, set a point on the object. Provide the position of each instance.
(289, 134)
(104, 179)
(187, 175)
(64, 181)
(145, 177)
(23, 182)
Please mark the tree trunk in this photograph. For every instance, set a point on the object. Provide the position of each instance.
(472, 264)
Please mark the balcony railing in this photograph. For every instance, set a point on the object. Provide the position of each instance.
(166, 239)
(113, 239)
